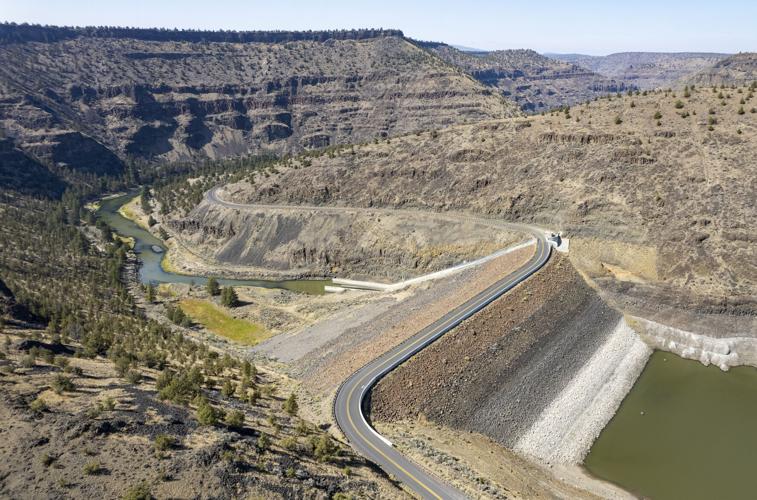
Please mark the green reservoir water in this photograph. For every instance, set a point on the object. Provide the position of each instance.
(150, 270)
(696, 438)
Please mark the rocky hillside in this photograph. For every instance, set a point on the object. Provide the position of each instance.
(89, 99)
(372, 245)
(739, 69)
(646, 70)
(535, 82)
(656, 191)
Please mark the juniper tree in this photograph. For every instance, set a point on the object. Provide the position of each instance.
(229, 297)
(290, 405)
(212, 287)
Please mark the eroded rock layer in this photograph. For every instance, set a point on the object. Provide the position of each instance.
(89, 97)
(363, 244)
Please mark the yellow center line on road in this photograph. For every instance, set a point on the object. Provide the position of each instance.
(533, 267)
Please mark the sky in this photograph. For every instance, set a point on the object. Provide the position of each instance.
(567, 26)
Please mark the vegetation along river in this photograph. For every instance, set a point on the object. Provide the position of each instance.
(684, 431)
(151, 271)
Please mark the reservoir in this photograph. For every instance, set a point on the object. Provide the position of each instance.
(685, 430)
(151, 250)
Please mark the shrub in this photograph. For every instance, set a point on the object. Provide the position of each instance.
(679, 104)
(164, 379)
(248, 370)
(206, 414)
(38, 405)
(323, 448)
(163, 442)
(301, 428)
(657, 115)
(253, 396)
(234, 418)
(95, 411)
(264, 442)
(618, 120)
(741, 110)
(28, 361)
(134, 376)
(139, 492)
(47, 459)
(228, 389)
(62, 384)
(92, 468)
(290, 443)
(183, 386)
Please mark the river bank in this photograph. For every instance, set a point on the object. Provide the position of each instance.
(151, 251)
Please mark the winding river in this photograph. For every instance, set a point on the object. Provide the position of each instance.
(151, 251)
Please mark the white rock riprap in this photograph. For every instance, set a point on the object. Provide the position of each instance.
(568, 426)
(722, 352)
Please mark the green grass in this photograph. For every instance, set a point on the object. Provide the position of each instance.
(221, 323)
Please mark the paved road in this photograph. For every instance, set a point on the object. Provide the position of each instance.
(351, 396)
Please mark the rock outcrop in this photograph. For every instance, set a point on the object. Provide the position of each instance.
(87, 99)
(739, 69)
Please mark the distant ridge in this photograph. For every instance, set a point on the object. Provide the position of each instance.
(463, 48)
(535, 82)
(646, 70)
(19, 33)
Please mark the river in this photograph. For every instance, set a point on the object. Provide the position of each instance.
(151, 271)
(685, 430)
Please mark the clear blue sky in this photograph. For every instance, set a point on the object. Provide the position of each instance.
(593, 27)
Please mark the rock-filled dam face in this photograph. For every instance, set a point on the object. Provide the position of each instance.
(541, 370)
